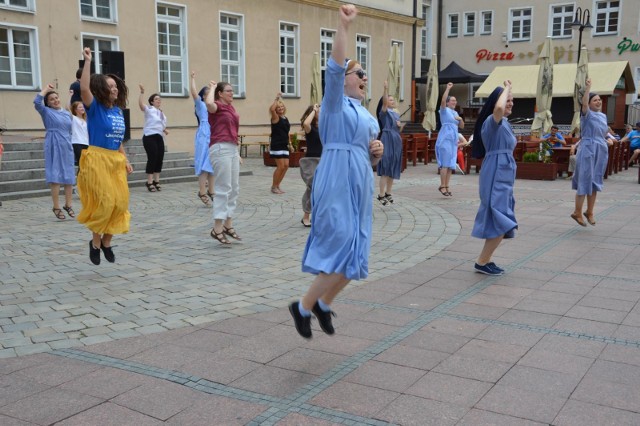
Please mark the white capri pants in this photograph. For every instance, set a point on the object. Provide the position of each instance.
(225, 160)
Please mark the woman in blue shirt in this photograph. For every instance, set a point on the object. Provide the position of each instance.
(447, 142)
(338, 246)
(104, 191)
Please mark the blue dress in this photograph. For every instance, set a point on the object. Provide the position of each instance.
(447, 142)
(593, 154)
(391, 162)
(496, 215)
(201, 160)
(342, 195)
(58, 151)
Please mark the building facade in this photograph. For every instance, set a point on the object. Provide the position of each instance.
(260, 47)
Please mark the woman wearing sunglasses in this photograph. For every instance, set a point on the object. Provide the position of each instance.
(338, 246)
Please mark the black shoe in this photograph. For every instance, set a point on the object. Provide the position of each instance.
(108, 254)
(303, 324)
(94, 254)
(324, 318)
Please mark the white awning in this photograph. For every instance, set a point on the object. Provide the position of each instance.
(524, 79)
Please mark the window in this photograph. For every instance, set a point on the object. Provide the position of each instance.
(363, 49)
(469, 23)
(326, 46)
(473, 100)
(18, 57)
(425, 32)
(99, 44)
(101, 10)
(401, 50)
(231, 52)
(561, 18)
(607, 17)
(23, 5)
(520, 24)
(171, 49)
(486, 23)
(289, 59)
(453, 24)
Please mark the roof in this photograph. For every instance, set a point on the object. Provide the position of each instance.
(454, 73)
(524, 79)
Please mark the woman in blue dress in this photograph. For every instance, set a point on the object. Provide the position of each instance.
(58, 150)
(390, 164)
(592, 157)
(447, 142)
(495, 219)
(338, 246)
(201, 161)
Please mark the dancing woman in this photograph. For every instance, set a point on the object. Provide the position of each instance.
(279, 149)
(155, 127)
(102, 180)
(339, 242)
(447, 142)
(58, 150)
(592, 157)
(309, 162)
(202, 164)
(390, 164)
(495, 219)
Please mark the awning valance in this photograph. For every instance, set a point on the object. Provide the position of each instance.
(524, 79)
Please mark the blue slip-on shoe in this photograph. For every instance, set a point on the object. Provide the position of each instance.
(487, 270)
(496, 267)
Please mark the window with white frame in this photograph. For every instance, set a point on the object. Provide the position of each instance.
(326, 46)
(561, 17)
(363, 55)
(607, 17)
(101, 10)
(486, 22)
(401, 50)
(425, 32)
(289, 59)
(171, 48)
(99, 44)
(469, 23)
(232, 51)
(18, 57)
(473, 100)
(453, 24)
(21, 5)
(520, 24)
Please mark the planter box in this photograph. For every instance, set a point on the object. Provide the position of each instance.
(537, 171)
(294, 159)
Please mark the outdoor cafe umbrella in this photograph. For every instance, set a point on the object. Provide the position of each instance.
(582, 72)
(542, 121)
(429, 121)
(316, 80)
(393, 76)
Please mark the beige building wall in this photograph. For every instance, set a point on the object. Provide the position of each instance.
(58, 28)
(476, 52)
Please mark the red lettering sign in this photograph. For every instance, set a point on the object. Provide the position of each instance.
(485, 55)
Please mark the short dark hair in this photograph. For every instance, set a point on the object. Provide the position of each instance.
(555, 127)
(78, 73)
(152, 97)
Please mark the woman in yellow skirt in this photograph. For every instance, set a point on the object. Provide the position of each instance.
(102, 181)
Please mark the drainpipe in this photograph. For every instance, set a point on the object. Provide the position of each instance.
(413, 61)
(439, 44)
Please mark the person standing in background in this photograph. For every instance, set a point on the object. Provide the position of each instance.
(155, 127)
(390, 164)
(309, 162)
(201, 161)
(74, 88)
(279, 149)
(447, 142)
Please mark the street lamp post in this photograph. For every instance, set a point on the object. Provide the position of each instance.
(582, 20)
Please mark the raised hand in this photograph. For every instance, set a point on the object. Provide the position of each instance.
(86, 53)
(348, 13)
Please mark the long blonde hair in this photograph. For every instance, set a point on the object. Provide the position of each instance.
(74, 109)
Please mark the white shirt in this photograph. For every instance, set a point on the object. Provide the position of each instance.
(79, 133)
(154, 121)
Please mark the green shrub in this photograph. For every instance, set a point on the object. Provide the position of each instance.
(530, 157)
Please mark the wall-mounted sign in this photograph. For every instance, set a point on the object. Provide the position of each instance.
(485, 55)
(627, 44)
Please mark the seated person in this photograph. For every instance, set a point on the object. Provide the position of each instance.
(634, 138)
(462, 142)
(611, 135)
(554, 137)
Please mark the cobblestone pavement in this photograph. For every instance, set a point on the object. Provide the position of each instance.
(182, 330)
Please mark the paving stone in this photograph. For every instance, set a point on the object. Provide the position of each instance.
(157, 399)
(108, 414)
(354, 398)
(524, 404)
(414, 411)
(450, 389)
(577, 413)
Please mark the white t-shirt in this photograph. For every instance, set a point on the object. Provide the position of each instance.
(79, 133)
(154, 121)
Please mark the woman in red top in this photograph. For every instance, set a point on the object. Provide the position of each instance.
(225, 159)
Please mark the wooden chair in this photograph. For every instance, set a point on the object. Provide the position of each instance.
(470, 161)
(418, 148)
(624, 155)
(431, 147)
(406, 144)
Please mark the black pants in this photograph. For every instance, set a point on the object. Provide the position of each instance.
(77, 150)
(154, 145)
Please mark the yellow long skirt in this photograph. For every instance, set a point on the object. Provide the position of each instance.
(104, 191)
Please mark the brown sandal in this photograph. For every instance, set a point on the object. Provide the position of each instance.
(231, 232)
(578, 219)
(204, 198)
(59, 214)
(590, 219)
(69, 211)
(219, 236)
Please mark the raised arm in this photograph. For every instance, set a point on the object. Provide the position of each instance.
(40, 106)
(385, 97)
(585, 97)
(348, 13)
(445, 95)
(209, 100)
(272, 108)
(194, 90)
(306, 124)
(501, 104)
(85, 79)
(141, 103)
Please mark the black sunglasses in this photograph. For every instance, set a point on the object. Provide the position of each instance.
(359, 72)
